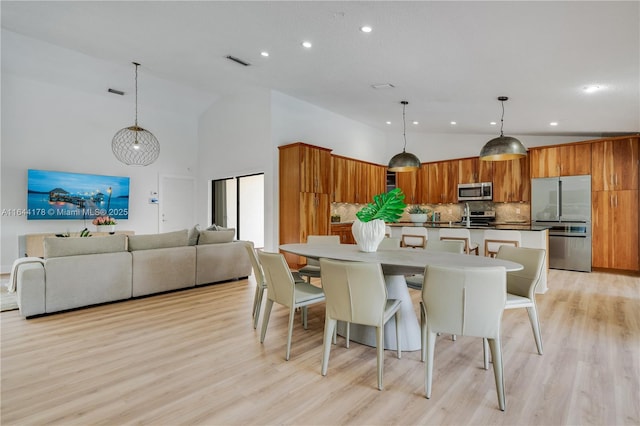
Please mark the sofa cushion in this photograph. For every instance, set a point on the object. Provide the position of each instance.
(216, 237)
(74, 246)
(155, 241)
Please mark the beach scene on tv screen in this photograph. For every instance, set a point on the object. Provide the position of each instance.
(63, 195)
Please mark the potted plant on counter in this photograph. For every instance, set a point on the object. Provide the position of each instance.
(369, 227)
(418, 214)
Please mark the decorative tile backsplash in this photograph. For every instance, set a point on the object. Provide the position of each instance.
(505, 212)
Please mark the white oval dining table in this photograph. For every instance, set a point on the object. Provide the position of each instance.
(396, 263)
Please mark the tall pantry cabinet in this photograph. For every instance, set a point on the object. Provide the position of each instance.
(305, 194)
(614, 215)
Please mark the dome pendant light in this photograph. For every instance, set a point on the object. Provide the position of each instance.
(405, 161)
(133, 145)
(504, 147)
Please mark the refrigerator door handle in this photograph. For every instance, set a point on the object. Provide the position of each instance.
(559, 200)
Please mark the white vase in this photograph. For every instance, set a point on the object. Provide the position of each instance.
(106, 228)
(368, 235)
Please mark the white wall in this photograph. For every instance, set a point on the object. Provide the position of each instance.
(56, 125)
(294, 120)
(234, 140)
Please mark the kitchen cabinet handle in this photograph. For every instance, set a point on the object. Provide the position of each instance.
(616, 200)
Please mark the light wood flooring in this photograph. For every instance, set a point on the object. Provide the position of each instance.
(193, 357)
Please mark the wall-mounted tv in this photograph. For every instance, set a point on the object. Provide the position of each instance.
(63, 195)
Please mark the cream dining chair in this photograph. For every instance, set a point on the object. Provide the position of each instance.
(282, 289)
(356, 293)
(414, 236)
(522, 284)
(466, 302)
(461, 234)
(261, 283)
(415, 281)
(312, 268)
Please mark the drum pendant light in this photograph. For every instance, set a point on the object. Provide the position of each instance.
(504, 147)
(133, 145)
(405, 161)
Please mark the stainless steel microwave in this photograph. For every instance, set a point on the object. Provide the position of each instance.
(475, 191)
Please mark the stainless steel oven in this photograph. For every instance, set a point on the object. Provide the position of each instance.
(475, 191)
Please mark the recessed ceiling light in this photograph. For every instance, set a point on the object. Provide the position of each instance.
(264, 53)
(388, 122)
(453, 123)
(553, 123)
(366, 29)
(307, 44)
(591, 88)
(493, 123)
(416, 122)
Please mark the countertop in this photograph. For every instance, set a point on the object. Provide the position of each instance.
(507, 226)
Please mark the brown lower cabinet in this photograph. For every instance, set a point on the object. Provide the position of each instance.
(615, 230)
(343, 230)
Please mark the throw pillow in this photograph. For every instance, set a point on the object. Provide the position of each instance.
(212, 227)
(193, 235)
(74, 246)
(216, 237)
(154, 241)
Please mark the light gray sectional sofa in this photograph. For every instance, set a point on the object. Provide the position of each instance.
(77, 272)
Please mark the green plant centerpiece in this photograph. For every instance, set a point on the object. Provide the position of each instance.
(418, 214)
(369, 228)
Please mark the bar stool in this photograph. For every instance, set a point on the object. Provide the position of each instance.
(414, 237)
(457, 234)
(494, 238)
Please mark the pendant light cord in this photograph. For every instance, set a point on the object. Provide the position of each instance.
(502, 119)
(404, 125)
(137, 65)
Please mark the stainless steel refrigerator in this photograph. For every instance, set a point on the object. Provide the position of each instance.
(564, 205)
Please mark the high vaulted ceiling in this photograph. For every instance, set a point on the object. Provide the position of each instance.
(450, 60)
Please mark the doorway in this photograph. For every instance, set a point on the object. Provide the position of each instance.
(238, 202)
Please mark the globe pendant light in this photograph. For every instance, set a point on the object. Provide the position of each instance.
(133, 145)
(504, 147)
(405, 161)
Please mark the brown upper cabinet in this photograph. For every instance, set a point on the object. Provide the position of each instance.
(511, 181)
(356, 181)
(409, 182)
(473, 170)
(344, 182)
(442, 182)
(562, 160)
(315, 169)
(615, 164)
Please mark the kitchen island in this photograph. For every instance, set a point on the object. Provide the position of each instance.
(531, 236)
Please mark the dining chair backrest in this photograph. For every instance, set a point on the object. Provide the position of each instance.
(389, 244)
(449, 246)
(495, 238)
(464, 301)
(255, 263)
(355, 291)
(456, 234)
(523, 282)
(321, 239)
(279, 279)
(414, 236)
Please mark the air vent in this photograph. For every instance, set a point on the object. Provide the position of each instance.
(239, 61)
(117, 92)
(383, 86)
